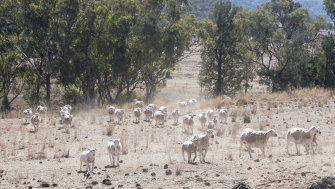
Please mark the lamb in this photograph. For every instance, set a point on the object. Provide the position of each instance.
(42, 110)
(67, 121)
(183, 106)
(258, 139)
(35, 120)
(188, 123)
(27, 114)
(148, 112)
(210, 115)
(175, 114)
(202, 119)
(302, 136)
(190, 146)
(138, 104)
(114, 148)
(203, 143)
(223, 115)
(159, 118)
(164, 110)
(137, 114)
(111, 112)
(88, 156)
(119, 113)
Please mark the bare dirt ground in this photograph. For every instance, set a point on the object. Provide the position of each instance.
(51, 156)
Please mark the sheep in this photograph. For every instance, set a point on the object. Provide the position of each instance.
(223, 115)
(42, 110)
(27, 114)
(203, 143)
(111, 112)
(119, 113)
(137, 114)
(63, 112)
(202, 119)
(148, 112)
(69, 108)
(175, 114)
(302, 136)
(190, 104)
(67, 121)
(138, 104)
(159, 118)
(35, 120)
(190, 146)
(153, 108)
(212, 124)
(164, 110)
(114, 148)
(188, 123)
(258, 139)
(210, 115)
(88, 156)
(183, 106)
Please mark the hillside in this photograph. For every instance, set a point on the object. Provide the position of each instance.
(202, 8)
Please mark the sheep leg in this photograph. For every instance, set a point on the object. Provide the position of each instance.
(204, 155)
(92, 166)
(195, 156)
(113, 159)
(200, 156)
(189, 157)
(80, 165)
(118, 160)
(110, 157)
(249, 150)
(296, 147)
(263, 151)
(183, 154)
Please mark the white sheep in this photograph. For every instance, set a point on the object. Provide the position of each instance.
(164, 110)
(67, 121)
(159, 118)
(302, 136)
(191, 104)
(138, 104)
(137, 114)
(35, 120)
(114, 148)
(153, 108)
(119, 113)
(148, 112)
(88, 156)
(63, 112)
(223, 115)
(258, 139)
(182, 106)
(202, 119)
(190, 146)
(315, 144)
(111, 112)
(42, 111)
(175, 114)
(203, 143)
(212, 124)
(69, 108)
(188, 123)
(27, 114)
(210, 115)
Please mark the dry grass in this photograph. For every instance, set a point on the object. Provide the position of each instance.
(124, 142)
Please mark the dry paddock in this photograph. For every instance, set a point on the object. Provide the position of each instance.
(52, 156)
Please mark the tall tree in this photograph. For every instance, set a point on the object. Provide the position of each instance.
(220, 60)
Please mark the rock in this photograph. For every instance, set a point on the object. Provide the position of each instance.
(166, 166)
(94, 182)
(138, 185)
(207, 183)
(153, 174)
(54, 185)
(68, 173)
(89, 187)
(256, 160)
(106, 182)
(45, 185)
(217, 175)
(303, 174)
(145, 170)
(327, 182)
(120, 161)
(168, 172)
(30, 187)
(249, 168)
(127, 174)
(120, 186)
(41, 162)
(241, 185)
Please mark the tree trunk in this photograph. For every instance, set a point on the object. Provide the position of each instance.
(5, 103)
(88, 97)
(48, 86)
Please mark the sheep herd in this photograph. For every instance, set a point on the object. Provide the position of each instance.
(195, 144)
